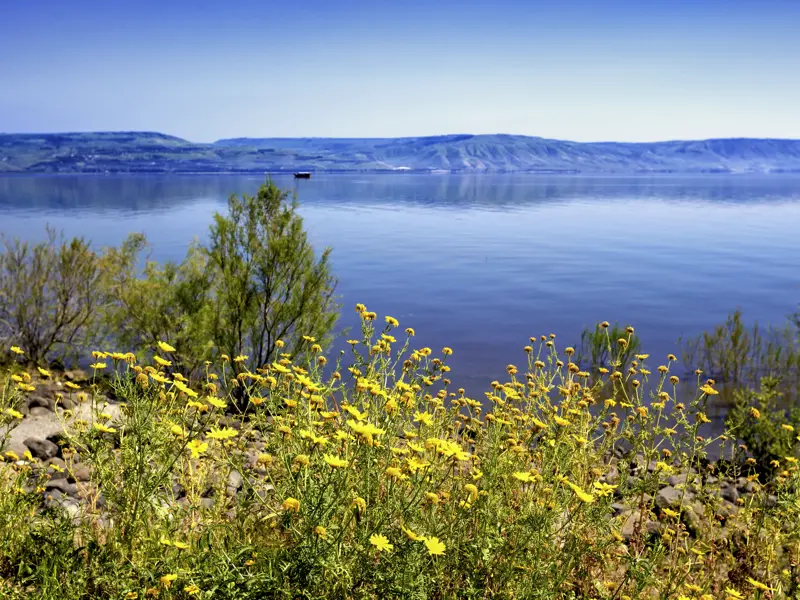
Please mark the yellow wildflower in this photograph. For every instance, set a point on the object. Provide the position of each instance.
(584, 497)
(472, 490)
(222, 434)
(292, 504)
(185, 389)
(411, 535)
(166, 580)
(165, 347)
(380, 542)
(604, 489)
(196, 447)
(334, 461)
(423, 418)
(17, 350)
(434, 546)
(162, 362)
(758, 585)
(216, 402)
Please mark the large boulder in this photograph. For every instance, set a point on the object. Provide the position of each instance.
(41, 449)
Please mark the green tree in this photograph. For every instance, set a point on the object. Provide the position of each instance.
(169, 302)
(268, 283)
(50, 297)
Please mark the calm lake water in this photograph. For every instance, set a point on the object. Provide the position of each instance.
(480, 263)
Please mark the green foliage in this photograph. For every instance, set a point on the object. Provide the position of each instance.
(600, 347)
(268, 285)
(50, 295)
(159, 302)
(381, 485)
(763, 421)
(737, 355)
(256, 285)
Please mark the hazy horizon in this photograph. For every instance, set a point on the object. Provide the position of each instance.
(576, 70)
(433, 135)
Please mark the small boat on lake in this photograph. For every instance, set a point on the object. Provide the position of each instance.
(302, 175)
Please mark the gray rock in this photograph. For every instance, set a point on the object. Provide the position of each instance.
(76, 375)
(729, 493)
(56, 468)
(771, 501)
(41, 449)
(623, 448)
(670, 497)
(726, 509)
(612, 477)
(234, 482)
(629, 527)
(39, 411)
(61, 485)
(41, 401)
(619, 508)
(71, 506)
(679, 479)
(693, 516)
(81, 473)
(52, 497)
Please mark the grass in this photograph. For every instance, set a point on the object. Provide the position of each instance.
(386, 481)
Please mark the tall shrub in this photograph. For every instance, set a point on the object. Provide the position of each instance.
(50, 295)
(268, 283)
(155, 302)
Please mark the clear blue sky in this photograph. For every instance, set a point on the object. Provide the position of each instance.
(570, 69)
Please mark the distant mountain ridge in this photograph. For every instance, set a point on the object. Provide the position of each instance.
(153, 152)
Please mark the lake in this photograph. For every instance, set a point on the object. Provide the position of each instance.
(481, 262)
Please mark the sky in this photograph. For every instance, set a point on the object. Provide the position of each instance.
(584, 70)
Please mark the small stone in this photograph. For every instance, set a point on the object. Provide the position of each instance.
(623, 448)
(726, 509)
(41, 401)
(41, 449)
(82, 473)
(729, 493)
(234, 482)
(618, 508)
(612, 477)
(56, 468)
(76, 375)
(39, 411)
(631, 523)
(679, 479)
(669, 497)
(693, 516)
(62, 485)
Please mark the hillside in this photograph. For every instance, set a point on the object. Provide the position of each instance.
(148, 152)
